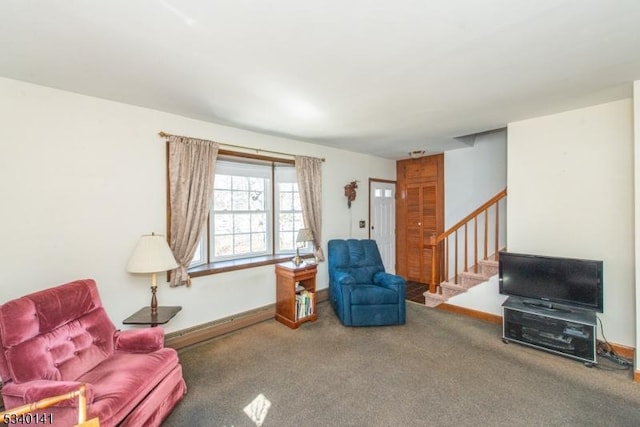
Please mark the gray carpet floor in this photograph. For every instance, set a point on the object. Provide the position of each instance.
(440, 369)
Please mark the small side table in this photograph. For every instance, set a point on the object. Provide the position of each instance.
(144, 316)
(294, 282)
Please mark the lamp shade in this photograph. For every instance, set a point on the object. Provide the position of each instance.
(151, 255)
(304, 235)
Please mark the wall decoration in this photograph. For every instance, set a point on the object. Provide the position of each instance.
(350, 192)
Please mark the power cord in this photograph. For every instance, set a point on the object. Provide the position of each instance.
(605, 349)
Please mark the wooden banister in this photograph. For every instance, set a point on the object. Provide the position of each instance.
(439, 244)
(473, 214)
(80, 393)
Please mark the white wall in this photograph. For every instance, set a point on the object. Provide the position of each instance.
(82, 178)
(570, 179)
(472, 176)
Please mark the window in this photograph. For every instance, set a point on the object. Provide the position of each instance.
(289, 211)
(255, 212)
(239, 221)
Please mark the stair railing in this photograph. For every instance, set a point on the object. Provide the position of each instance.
(440, 246)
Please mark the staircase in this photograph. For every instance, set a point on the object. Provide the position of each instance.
(459, 249)
(487, 268)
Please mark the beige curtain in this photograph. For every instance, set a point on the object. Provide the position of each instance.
(309, 174)
(191, 172)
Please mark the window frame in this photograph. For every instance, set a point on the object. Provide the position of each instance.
(277, 210)
(218, 266)
(243, 170)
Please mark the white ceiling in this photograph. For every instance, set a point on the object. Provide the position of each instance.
(376, 76)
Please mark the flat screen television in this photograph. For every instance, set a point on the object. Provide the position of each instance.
(566, 281)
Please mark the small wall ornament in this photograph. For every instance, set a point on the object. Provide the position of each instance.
(350, 192)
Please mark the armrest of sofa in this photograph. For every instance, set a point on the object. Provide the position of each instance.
(343, 278)
(139, 340)
(33, 391)
(388, 280)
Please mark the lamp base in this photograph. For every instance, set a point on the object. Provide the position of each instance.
(154, 301)
(297, 260)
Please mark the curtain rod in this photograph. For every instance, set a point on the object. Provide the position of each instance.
(257, 150)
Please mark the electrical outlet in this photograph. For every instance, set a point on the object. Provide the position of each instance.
(362, 224)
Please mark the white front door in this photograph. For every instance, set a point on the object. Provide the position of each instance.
(382, 206)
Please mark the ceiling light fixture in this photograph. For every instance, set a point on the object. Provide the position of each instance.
(416, 154)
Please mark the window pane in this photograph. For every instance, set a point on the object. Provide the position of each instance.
(286, 241)
(256, 184)
(242, 223)
(242, 244)
(285, 186)
(289, 210)
(242, 217)
(222, 182)
(198, 256)
(240, 183)
(223, 223)
(256, 201)
(259, 222)
(296, 202)
(222, 200)
(286, 222)
(297, 221)
(258, 242)
(223, 245)
(286, 201)
(240, 201)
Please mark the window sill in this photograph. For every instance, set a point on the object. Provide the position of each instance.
(240, 264)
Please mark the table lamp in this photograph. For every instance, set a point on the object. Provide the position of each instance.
(304, 235)
(152, 255)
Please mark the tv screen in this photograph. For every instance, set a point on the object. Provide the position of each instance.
(568, 281)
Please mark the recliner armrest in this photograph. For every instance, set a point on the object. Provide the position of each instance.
(33, 391)
(388, 280)
(343, 278)
(139, 340)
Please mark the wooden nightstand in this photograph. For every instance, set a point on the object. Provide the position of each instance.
(144, 316)
(295, 306)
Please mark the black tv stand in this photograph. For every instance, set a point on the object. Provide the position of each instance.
(543, 305)
(567, 331)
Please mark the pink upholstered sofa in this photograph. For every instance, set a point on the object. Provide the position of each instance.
(56, 339)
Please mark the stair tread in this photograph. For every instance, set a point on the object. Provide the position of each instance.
(434, 296)
(451, 285)
(434, 300)
(472, 274)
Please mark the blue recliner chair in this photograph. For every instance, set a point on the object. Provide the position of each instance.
(360, 291)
